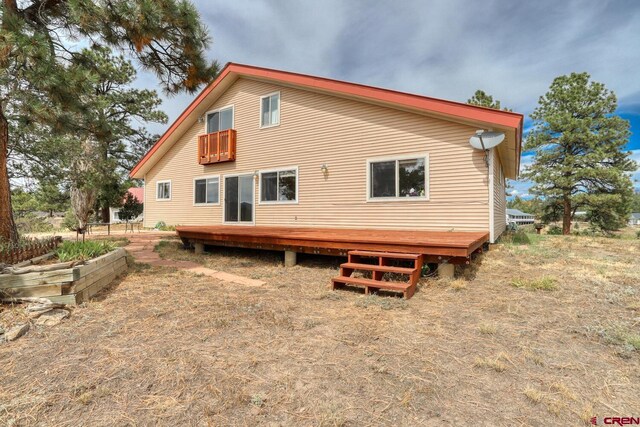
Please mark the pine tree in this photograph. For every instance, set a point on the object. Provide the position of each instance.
(41, 80)
(131, 208)
(483, 99)
(580, 162)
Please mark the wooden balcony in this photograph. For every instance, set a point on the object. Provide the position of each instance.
(217, 147)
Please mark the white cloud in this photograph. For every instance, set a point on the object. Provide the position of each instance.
(443, 49)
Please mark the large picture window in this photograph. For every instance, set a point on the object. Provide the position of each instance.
(163, 190)
(279, 186)
(270, 110)
(206, 190)
(400, 178)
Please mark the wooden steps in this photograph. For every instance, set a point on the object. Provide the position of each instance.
(372, 267)
(395, 255)
(378, 270)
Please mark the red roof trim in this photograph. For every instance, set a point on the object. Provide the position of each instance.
(451, 108)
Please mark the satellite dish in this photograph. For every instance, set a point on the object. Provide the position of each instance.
(486, 140)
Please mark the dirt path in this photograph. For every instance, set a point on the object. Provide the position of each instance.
(141, 249)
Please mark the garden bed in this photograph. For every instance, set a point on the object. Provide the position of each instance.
(71, 283)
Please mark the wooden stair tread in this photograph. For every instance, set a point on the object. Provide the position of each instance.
(373, 267)
(397, 255)
(396, 286)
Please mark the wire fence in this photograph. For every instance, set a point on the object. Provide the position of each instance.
(27, 249)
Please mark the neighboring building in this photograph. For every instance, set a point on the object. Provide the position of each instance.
(265, 148)
(634, 219)
(580, 216)
(518, 217)
(114, 213)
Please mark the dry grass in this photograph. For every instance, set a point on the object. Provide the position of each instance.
(164, 347)
(541, 284)
(487, 329)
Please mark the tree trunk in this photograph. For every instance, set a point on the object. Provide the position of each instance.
(566, 216)
(8, 229)
(104, 214)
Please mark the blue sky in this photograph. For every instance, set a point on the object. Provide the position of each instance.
(441, 48)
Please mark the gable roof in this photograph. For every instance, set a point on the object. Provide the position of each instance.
(509, 122)
(635, 215)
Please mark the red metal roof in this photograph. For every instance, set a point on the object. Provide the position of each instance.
(138, 193)
(425, 103)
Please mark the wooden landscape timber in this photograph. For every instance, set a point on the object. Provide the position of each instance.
(69, 284)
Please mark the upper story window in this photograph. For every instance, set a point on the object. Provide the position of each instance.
(401, 178)
(219, 120)
(279, 186)
(270, 110)
(163, 190)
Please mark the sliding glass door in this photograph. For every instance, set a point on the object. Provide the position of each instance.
(238, 199)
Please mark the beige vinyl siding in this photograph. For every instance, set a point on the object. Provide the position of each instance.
(318, 129)
(499, 197)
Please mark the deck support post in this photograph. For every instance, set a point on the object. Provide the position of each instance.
(446, 270)
(199, 248)
(290, 258)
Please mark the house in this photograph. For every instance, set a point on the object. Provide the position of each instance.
(634, 219)
(278, 160)
(114, 212)
(520, 218)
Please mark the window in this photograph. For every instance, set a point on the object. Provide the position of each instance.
(279, 186)
(163, 190)
(206, 190)
(219, 120)
(401, 178)
(270, 110)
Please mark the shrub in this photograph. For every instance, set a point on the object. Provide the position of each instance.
(69, 222)
(31, 223)
(554, 230)
(518, 237)
(638, 234)
(162, 226)
(82, 251)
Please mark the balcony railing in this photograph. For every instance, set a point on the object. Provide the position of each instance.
(217, 147)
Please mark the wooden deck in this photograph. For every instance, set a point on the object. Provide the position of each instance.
(456, 247)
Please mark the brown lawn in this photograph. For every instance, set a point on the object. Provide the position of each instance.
(540, 334)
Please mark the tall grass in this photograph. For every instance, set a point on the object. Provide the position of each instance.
(82, 251)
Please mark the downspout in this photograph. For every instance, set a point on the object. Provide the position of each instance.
(144, 203)
(490, 161)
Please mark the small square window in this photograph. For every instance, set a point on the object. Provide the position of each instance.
(163, 190)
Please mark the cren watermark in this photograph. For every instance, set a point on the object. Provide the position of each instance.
(615, 421)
